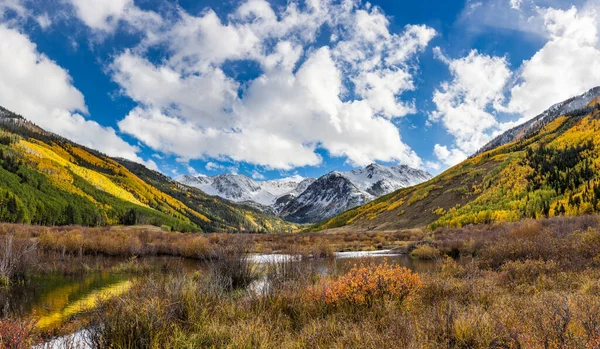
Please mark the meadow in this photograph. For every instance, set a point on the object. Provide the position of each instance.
(530, 284)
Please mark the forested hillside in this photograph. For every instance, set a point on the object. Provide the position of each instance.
(552, 172)
(48, 180)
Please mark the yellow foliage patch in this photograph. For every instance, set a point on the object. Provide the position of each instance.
(98, 180)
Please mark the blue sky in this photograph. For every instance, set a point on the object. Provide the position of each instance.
(278, 88)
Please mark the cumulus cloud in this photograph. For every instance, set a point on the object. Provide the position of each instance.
(257, 175)
(211, 166)
(341, 96)
(36, 87)
(448, 157)
(466, 104)
(568, 64)
(105, 15)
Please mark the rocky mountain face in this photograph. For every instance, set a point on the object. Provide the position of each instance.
(310, 200)
(378, 180)
(327, 196)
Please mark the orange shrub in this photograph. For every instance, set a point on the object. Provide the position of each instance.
(594, 344)
(16, 334)
(366, 285)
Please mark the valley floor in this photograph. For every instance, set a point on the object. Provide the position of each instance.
(532, 284)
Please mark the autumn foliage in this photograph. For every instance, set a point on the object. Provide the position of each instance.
(16, 334)
(366, 285)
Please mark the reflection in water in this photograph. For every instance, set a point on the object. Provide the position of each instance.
(54, 298)
(51, 292)
(89, 302)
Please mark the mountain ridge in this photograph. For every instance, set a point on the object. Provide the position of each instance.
(46, 179)
(310, 200)
(536, 123)
(549, 167)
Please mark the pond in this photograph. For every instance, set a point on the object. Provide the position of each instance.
(53, 298)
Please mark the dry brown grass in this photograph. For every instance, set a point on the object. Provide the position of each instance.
(529, 285)
(534, 284)
(148, 241)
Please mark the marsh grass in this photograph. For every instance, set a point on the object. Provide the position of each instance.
(16, 256)
(231, 267)
(535, 285)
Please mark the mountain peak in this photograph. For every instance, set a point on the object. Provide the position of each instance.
(546, 169)
(241, 188)
(308, 199)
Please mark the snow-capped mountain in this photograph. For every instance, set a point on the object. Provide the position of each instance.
(378, 180)
(241, 188)
(283, 200)
(337, 192)
(535, 124)
(327, 196)
(308, 200)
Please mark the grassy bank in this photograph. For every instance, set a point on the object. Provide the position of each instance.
(151, 241)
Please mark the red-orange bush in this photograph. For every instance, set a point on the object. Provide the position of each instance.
(15, 334)
(366, 285)
(594, 344)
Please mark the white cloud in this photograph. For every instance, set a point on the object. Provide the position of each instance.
(199, 98)
(465, 105)
(340, 97)
(105, 15)
(516, 4)
(432, 165)
(44, 20)
(293, 178)
(211, 166)
(36, 87)
(15, 6)
(448, 157)
(567, 65)
(257, 175)
(15, 12)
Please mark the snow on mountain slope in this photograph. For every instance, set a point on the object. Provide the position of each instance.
(241, 188)
(379, 180)
(285, 199)
(340, 191)
(310, 200)
(325, 197)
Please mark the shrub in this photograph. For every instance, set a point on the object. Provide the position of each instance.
(366, 285)
(528, 271)
(425, 251)
(594, 344)
(16, 257)
(232, 268)
(16, 334)
(145, 317)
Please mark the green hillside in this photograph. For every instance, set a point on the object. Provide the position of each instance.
(554, 171)
(48, 180)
